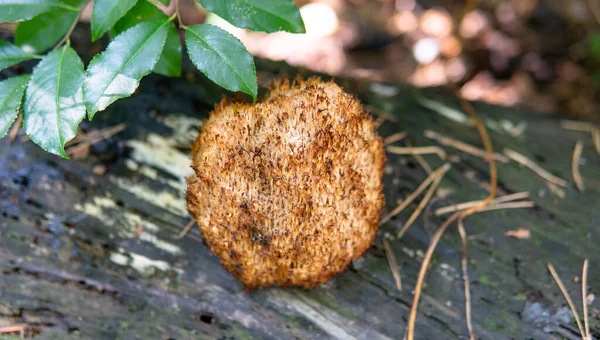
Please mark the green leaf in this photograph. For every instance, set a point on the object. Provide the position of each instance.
(45, 30)
(259, 15)
(11, 55)
(116, 72)
(17, 10)
(169, 63)
(11, 94)
(106, 13)
(54, 101)
(222, 58)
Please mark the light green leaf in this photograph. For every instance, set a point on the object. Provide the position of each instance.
(11, 94)
(17, 10)
(259, 15)
(222, 58)
(116, 72)
(106, 13)
(169, 63)
(45, 30)
(54, 101)
(11, 55)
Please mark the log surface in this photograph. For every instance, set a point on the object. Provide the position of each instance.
(85, 255)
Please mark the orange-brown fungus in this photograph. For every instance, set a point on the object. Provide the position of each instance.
(288, 191)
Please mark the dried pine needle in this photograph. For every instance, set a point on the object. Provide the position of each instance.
(510, 205)
(186, 229)
(465, 272)
(415, 194)
(575, 165)
(423, 203)
(462, 146)
(518, 130)
(584, 274)
(393, 263)
(14, 130)
(398, 136)
(577, 126)
(422, 162)
(467, 205)
(519, 158)
(420, 150)
(563, 290)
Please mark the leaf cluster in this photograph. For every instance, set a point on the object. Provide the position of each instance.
(61, 92)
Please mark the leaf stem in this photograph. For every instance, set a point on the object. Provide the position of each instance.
(179, 17)
(70, 31)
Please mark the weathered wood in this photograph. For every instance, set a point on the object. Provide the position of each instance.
(97, 256)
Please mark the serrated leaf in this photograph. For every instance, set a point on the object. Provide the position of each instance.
(45, 30)
(106, 13)
(17, 10)
(11, 94)
(11, 55)
(169, 63)
(53, 104)
(116, 72)
(259, 15)
(222, 58)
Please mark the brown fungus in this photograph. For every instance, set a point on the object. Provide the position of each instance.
(288, 191)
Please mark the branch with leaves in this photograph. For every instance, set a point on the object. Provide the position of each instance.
(60, 93)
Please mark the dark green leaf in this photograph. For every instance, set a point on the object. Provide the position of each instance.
(11, 93)
(116, 72)
(259, 15)
(222, 58)
(169, 63)
(54, 101)
(45, 30)
(11, 55)
(16, 10)
(106, 13)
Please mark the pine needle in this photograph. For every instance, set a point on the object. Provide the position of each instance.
(422, 162)
(462, 146)
(14, 130)
(519, 158)
(423, 202)
(393, 263)
(186, 229)
(596, 139)
(415, 194)
(420, 150)
(465, 272)
(466, 205)
(563, 290)
(577, 126)
(584, 275)
(398, 136)
(575, 165)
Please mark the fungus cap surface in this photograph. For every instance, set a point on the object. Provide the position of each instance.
(288, 191)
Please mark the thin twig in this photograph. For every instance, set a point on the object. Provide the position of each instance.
(462, 146)
(423, 202)
(20, 327)
(596, 139)
(563, 290)
(575, 165)
(466, 205)
(420, 150)
(70, 31)
(414, 194)
(422, 162)
(12, 134)
(584, 275)
(393, 263)
(186, 229)
(95, 137)
(465, 272)
(398, 136)
(519, 158)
